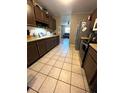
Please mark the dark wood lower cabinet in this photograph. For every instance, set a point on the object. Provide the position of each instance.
(93, 84)
(52, 42)
(32, 53)
(38, 48)
(41, 44)
(49, 44)
(90, 67)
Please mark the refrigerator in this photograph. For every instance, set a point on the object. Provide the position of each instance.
(83, 30)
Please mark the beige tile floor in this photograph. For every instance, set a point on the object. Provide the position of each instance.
(58, 71)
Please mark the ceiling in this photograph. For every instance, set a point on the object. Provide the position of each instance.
(64, 7)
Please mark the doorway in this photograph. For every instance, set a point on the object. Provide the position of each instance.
(66, 33)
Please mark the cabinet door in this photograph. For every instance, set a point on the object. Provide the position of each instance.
(45, 17)
(93, 53)
(38, 13)
(54, 24)
(57, 40)
(51, 43)
(41, 47)
(50, 22)
(30, 13)
(90, 68)
(93, 85)
(32, 53)
(48, 44)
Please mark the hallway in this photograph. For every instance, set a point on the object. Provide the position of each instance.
(58, 71)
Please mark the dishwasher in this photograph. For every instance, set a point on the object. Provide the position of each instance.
(83, 50)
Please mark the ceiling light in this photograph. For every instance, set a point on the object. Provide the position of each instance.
(66, 2)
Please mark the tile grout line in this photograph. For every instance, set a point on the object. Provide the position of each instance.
(60, 69)
(58, 78)
(57, 81)
(40, 68)
(71, 67)
(42, 83)
(71, 76)
(35, 76)
(45, 78)
(55, 67)
(35, 71)
(84, 76)
(84, 82)
(70, 79)
(33, 89)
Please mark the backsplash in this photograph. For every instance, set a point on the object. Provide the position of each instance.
(35, 31)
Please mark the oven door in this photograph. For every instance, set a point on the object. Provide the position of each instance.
(83, 51)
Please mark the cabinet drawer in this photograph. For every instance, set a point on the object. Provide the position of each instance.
(93, 53)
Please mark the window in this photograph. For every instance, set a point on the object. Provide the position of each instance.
(67, 29)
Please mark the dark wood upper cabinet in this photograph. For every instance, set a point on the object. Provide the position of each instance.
(93, 17)
(38, 14)
(52, 23)
(46, 17)
(41, 15)
(30, 14)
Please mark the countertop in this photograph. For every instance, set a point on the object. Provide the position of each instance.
(94, 46)
(31, 38)
(84, 37)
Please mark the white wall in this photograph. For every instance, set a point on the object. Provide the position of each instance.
(62, 29)
(75, 19)
(58, 24)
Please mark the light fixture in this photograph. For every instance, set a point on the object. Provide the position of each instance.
(66, 2)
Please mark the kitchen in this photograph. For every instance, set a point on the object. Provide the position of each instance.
(43, 56)
(61, 61)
